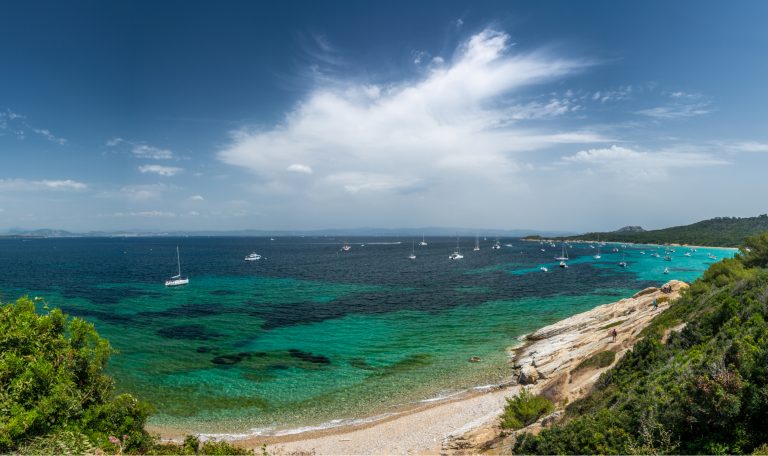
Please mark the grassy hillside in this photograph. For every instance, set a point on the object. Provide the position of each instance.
(702, 391)
(721, 231)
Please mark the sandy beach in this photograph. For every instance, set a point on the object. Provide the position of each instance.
(545, 363)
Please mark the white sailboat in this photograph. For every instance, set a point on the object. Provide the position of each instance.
(496, 245)
(346, 247)
(623, 262)
(563, 256)
(423, 242)
(477, 243)
(456, 255)
(412, 256)
(597, 256)
(177, 280)
(666, 270)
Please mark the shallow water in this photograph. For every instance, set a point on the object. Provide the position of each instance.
(308, 334)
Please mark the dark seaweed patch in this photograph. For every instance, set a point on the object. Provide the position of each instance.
(204, 349)
(189, 332)
(309, 357)
(194, 310)
(228, 360)
(222, 292)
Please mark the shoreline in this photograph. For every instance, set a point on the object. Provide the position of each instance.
(593, 241)
(469, 419)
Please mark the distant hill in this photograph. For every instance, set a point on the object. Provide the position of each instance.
(720, 231)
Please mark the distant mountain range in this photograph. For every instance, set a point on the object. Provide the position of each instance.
(720, 231)
(353, 232)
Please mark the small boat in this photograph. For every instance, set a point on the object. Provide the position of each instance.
(614, 250)
(271, 239)
(667, 258)
(456, 255)
(563, 256)
(177, 280)
(563, 264)
(711, 257)
(591, 246)
(508, 245)
(544, 269)
(622, 263)
(642, 252)
(346, 247)
(666, 270)
(687, 254)
(412, 256)
(477, 243)
(423, 242)
(656, 254)
(543, 250)
(496, 245)
(252, 257)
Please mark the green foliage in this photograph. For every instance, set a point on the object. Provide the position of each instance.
(52, 381)
(524, 409)
(193, 446)
(720, 231)
(597, 361)
(705, 391)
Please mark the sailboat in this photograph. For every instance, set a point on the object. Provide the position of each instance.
(496, 245)
(177, 280)
(563, 256)
(597, 257)
(412, 256)
(622, 263)
(477, 243)
(346, 247)
(423, 242)
(666, 270)
(456, 255)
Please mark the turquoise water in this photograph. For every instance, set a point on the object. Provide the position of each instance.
(309, 335)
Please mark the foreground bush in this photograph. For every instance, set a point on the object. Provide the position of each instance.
(55, 397)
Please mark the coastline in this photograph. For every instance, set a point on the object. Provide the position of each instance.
(547, 357)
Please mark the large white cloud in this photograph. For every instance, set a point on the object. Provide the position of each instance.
(457, 122)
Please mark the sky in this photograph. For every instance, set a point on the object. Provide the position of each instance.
(298, 115)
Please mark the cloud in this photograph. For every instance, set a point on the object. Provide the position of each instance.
(167, 171)
(453, 124)
(197, 198)
(145, 214)
(154, 153)
(299, 168)
(114, 142)
(17, 125)
(683, 105)
(749, 146)
(634, 163)
(623, 93)
(37, 185)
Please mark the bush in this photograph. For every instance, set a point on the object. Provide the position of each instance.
(597, 361)
(52, 381)
(524, 409)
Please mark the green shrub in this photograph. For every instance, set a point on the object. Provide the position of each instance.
(52, 384)
(524, 409)
(597, 361)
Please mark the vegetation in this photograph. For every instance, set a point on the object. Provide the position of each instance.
(704, 391)
(55, 397)
(597, 361)
(721, 231)
(524, 409)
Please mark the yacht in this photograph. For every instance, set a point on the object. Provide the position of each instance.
(346, 247)
(563, 264)
(544, 269)
(412, 256)
(456, 255)
(622, 263)
(496, 245)
(423, 242)
(477, 243)
(177, 280)
(597, 256)
(253, 256)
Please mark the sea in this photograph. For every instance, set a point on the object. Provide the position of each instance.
(311, 336)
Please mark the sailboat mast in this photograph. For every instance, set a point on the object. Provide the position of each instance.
(178, 259)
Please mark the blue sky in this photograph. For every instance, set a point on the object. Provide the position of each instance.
(302, 115)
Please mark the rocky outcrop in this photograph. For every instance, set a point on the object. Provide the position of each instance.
(528, 375)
